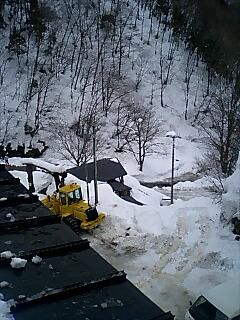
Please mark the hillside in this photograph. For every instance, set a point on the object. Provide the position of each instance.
(118, 73)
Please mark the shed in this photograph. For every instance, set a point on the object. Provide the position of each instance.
(108, 169)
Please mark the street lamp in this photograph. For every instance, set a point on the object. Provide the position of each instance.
(173, 136)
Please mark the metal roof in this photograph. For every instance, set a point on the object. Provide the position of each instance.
(107, 169)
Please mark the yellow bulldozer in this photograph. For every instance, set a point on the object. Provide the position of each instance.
(67, 200)
(69, 204)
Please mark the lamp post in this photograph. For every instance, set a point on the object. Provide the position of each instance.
(95, 165)
(173, 136)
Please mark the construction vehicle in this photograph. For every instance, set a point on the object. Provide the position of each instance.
(67, 200)
(69, 204)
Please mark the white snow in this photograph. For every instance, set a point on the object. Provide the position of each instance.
(38, 163)
(18, 263)
(36, 260)
(202, 183)
(4, 284)
(171, 134)
(231, 196)
(7, 254)
(5, 311)
(172, 253)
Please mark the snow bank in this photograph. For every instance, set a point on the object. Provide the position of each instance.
(5, 311)
(202, 183)
(143, 194)
(231, 197)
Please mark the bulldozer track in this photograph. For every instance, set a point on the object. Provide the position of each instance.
(70, 280)
(73, 223)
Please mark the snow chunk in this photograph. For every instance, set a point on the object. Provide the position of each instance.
(11, 217)
(18, 263)
(23, 195)
(8, 242)
(7, 254)
(202, 183)
(5, 311)
(36, 259)
(104, 305)
(4, 284)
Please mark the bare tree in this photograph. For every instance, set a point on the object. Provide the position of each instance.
(75, 140)
(189, 69)
(37, 104)
(143, 132)
(221, 123)
(166, 63)
(141, 67)
(121, 123)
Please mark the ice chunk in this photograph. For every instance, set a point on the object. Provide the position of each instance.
(7, 254)
(4, 284)
(36, 259)
(18, 263)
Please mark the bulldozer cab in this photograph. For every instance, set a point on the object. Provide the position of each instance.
(70, 194)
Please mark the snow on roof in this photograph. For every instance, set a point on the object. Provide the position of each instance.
(171, 134)
(44, 165)
(226, 297)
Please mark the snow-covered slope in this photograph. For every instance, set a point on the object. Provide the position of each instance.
(171, 252)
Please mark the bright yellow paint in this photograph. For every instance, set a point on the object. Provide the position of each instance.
(77, 208)
(69, 187)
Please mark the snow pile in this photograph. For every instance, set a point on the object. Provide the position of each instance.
(5, 311)
(141, 193)
(4, 284)
(18, 263)
(36, 260)
(11, 217)
(202, 183)
(231, 197)
(7, 254)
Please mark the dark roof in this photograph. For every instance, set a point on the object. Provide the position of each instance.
(107, 169)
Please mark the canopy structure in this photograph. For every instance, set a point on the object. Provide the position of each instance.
(107, 169)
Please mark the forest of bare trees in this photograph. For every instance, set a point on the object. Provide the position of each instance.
(65, 60)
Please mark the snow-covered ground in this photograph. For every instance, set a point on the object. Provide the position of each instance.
(171, 253)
